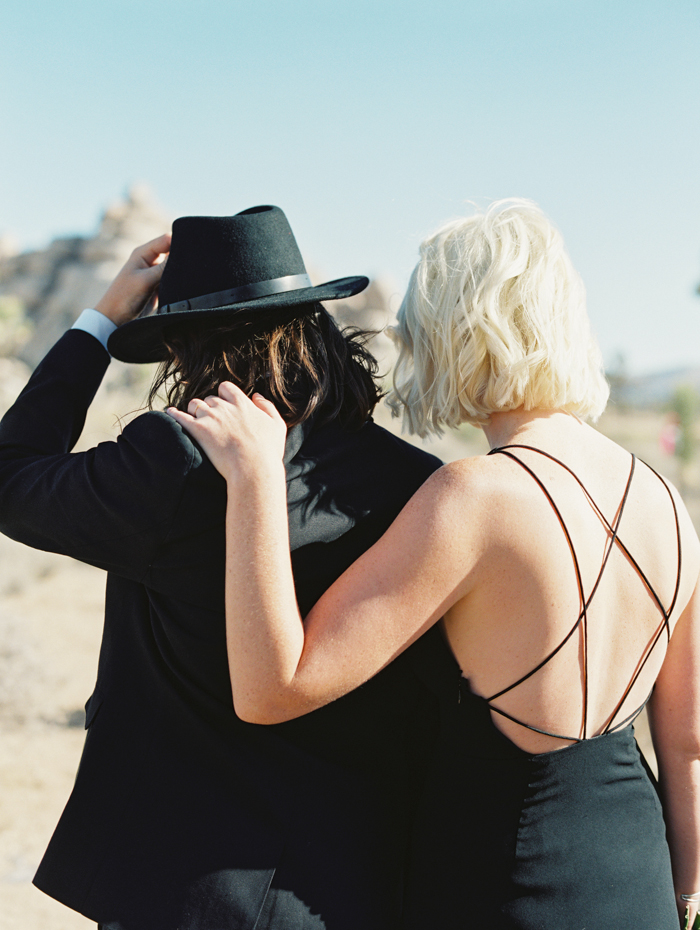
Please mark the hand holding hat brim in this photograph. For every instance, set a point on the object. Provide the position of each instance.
(135, 287)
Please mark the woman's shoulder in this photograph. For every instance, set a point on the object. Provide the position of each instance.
(459, 476)
(486, 479)
(463, 491)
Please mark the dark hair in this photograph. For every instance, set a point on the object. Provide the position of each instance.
(303, 365)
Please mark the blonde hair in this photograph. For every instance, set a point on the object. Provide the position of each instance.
(494, 319)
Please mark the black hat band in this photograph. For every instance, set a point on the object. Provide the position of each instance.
(290, 282)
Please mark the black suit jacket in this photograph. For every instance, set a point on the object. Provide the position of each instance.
(183, 816)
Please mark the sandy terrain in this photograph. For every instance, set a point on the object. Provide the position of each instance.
(50, 629)
(50, 626)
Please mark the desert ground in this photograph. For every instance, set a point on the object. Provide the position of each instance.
(50, 627)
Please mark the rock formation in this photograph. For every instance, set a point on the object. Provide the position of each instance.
(54, 284)
(42, 292)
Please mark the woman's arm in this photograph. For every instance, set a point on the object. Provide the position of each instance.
(674, 713)
(280, 667)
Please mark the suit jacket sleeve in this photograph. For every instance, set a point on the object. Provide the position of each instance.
(110, 506)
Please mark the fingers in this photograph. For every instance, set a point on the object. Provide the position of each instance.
(184, 419)
(229, 399)
(195, 409)
(197, 427)
(266, 405)
(134, 288)
(230, 392)
(236, 434)
(153, 273)
(233, 394)
(197, 405)
(149, 253)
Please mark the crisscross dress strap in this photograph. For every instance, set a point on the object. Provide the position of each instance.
(665, 612)
(582, 619)
(665, 624)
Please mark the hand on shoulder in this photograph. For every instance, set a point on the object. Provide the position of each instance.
(243, 437)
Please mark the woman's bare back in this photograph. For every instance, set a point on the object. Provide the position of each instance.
(541, 531)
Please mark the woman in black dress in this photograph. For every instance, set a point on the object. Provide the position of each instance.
(562, 571)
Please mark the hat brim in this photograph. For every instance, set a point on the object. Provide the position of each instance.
(141, 340)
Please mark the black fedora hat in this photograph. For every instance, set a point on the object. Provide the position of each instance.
(222, 268)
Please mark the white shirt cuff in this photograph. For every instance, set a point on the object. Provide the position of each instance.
(97, 324)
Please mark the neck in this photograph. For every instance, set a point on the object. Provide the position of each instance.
(526, 426)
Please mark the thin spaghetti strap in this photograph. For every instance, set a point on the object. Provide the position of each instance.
(665, 625)
(678, 537)
(582, 618)
(620, 543)
(579, 581)
(635, 678)
(529, 726)
(630, 718)
(618, 726)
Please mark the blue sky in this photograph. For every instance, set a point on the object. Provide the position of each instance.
(372, 122)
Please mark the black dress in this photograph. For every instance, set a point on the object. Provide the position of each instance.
(572, 839)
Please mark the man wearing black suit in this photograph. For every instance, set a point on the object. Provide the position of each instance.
(182, 816)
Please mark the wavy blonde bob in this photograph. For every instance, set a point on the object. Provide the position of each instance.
(494, 319)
